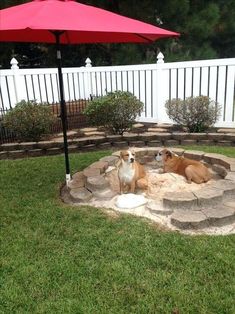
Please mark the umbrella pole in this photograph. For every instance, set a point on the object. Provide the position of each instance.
(63, 112)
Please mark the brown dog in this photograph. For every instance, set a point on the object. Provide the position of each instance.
(130, 172)
(192, 170)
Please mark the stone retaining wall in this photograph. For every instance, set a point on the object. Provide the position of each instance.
(211, 206)
(150, 139)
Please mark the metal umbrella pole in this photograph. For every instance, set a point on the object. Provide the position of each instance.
(63, 111)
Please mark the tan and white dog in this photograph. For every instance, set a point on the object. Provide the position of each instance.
(130, 172)
(192, 170)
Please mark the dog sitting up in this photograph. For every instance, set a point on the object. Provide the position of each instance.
(130, 172)
(192, 170)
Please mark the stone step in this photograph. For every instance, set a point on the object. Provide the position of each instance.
(190, 219)
(106, 194)
(227, 186)
(211, 196)
(80, 195)
(96, 183)
(208, 197)
(222, 171)
(221, 215)
(231, 176)
(101, 165)
(180, 200)
(230, 204)
(78, 180)
(156, 208)
(91, 172)
(111, 160)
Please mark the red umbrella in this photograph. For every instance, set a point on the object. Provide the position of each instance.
(70, 22)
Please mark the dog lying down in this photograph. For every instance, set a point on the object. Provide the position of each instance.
(131, 173)
(192, 170)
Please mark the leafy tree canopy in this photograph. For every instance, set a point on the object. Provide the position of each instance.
(207, 31)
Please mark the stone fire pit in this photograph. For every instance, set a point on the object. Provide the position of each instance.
(169, 200)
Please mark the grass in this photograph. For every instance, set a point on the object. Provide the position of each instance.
(227, 151)
(62, 259)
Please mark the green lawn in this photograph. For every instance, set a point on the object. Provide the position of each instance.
(62, 259)
(228, 151)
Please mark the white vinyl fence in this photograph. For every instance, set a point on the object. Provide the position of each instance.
(153, 84)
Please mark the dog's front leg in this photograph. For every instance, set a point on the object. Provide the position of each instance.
(121, 187)
(133, 186)
(164, 170)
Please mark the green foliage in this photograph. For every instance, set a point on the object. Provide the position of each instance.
(197, 114)
(29, 120)
(116, 111)
(207, 31)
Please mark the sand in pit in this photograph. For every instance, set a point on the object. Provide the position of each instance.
(158, 185)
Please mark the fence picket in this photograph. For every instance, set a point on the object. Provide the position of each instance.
(153, 84)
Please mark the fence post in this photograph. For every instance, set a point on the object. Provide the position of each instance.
(160, 108)
(15, 73)
(160, 58)
(88, 64)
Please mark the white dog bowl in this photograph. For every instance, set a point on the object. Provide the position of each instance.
(130, 200)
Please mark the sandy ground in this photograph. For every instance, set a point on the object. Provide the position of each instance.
(158, 184)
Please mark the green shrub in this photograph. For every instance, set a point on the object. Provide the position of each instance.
(117, 111)
(197, 114)
(29, 120)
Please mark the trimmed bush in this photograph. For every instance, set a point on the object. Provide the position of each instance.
(197, 114)
(29, 120)
(117, 111)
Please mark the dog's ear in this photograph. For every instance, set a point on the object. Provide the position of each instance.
(169, 154)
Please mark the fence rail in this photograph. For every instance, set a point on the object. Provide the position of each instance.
(153, 84)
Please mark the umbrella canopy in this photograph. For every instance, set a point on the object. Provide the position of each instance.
(70, 22)
(80, 23)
